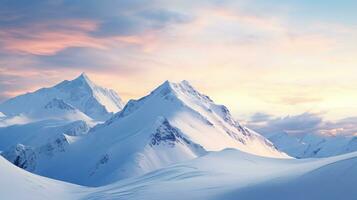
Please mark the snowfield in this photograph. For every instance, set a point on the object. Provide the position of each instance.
(16, 183)
(229, 174)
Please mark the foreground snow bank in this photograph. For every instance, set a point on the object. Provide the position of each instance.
(231, 174)
(16, 183)
(228, 174)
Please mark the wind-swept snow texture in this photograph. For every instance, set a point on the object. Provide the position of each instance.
(231, 175)
(226, 175)
(17, 184)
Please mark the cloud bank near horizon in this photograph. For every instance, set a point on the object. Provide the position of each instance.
(301, 125)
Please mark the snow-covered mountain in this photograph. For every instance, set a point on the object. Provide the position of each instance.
(314, 145)
(80, 94)
(173, 123)
(157, 147)
(228, 174)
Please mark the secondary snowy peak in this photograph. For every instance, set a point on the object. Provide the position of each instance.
(97, 102)
(107, 97)
(81, 93)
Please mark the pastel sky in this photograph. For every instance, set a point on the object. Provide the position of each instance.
(267, 56)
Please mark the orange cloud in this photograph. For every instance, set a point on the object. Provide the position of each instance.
(42, 39)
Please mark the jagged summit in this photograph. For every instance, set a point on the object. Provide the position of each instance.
(95, 101)
(180, 88)
(83, 76)
(82, 80)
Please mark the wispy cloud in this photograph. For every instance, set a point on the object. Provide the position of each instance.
(41, 39)
(302, 124)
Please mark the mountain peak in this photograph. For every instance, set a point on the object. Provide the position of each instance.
(84, 79)
(83, 76)
(183, 87)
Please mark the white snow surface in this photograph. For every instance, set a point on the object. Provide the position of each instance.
(229, 174)
(16, 183)
(81, 93)
(173, 123)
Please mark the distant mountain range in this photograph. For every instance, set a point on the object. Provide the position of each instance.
(314, 145)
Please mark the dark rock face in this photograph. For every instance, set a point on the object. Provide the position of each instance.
(76, 128)
(21, 156)
(165, 133)
(60, 104)
(27, 157)
(102, 161)
(59, 144)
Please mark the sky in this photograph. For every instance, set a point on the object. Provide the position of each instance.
(272, 58)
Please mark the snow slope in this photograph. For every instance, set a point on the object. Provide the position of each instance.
(314, 145)
(173, 123)
(81, 93)
(16, 183)
(231, 174)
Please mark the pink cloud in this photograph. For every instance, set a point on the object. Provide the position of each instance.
(43, 39)
(40, 39)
